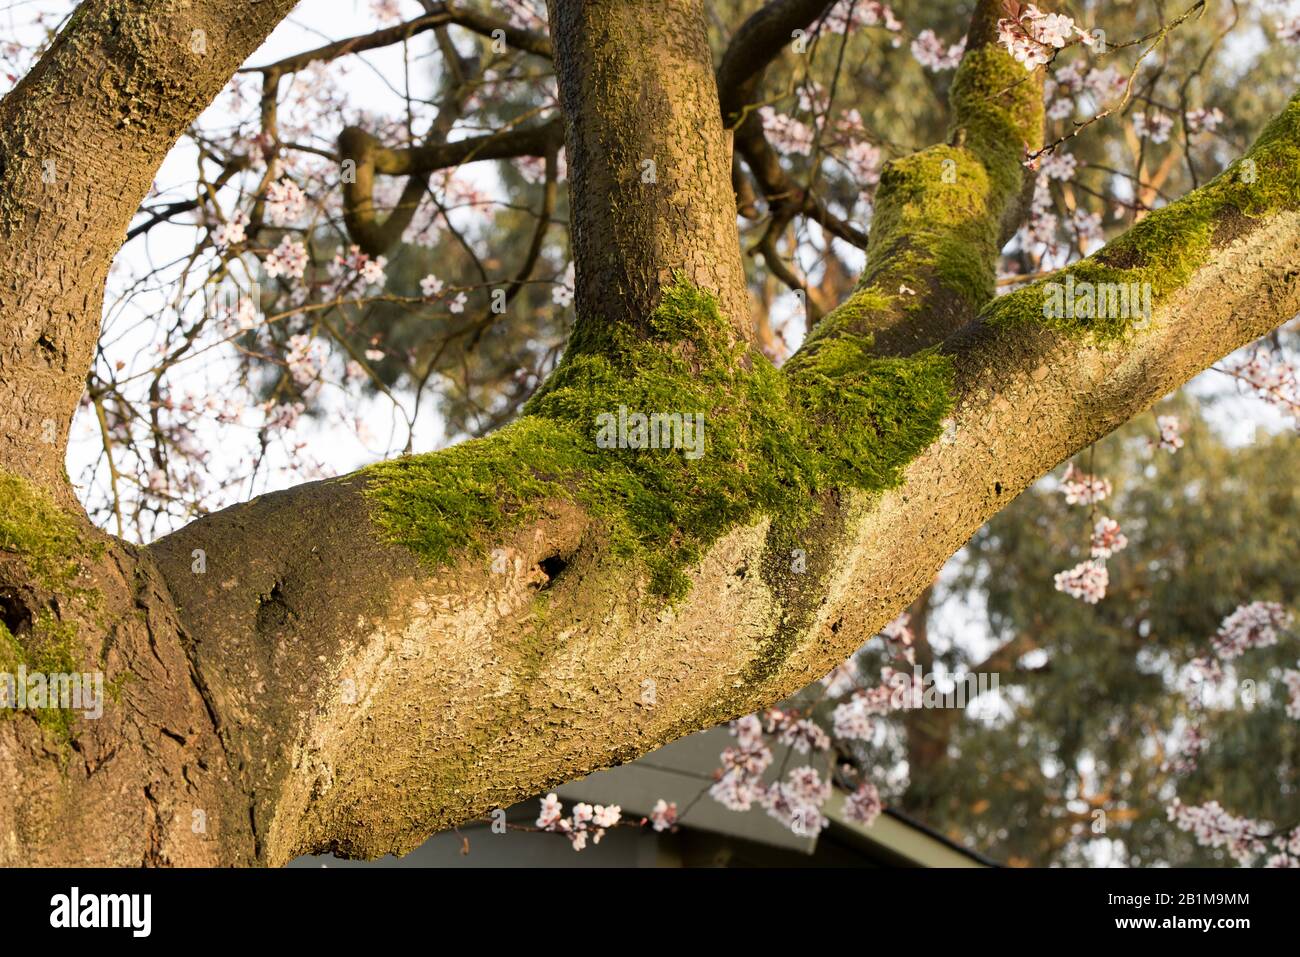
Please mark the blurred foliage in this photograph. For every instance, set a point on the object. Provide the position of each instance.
(1090, 689)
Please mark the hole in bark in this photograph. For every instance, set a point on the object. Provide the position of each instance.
(272, 611)
(997, 488)
(48, 346)
(15, 615)
(551, 568)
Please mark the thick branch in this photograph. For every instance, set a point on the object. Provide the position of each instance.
(80, 139)
(410, 701)
(942, 215)
(375, 236)
(649, 162)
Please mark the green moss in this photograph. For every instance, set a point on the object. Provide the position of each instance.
(938, 215)
(49, 648)
(44, 535)
(1166, 248)
(999, 111)
(933, 221)
(772, 441)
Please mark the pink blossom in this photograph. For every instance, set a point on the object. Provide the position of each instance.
(1086, 581)
(1059, 165)
(930, 52)
(1255, 625)
(1080, 488)
(1212, 826)
(562, 293)
(552, 811)
(787, 134)
(1272, 379)
(1107, 539)
(864, 13)
(863, 805)
(796, 802)
(1155, 125)
(285, 202)
(1202, 120)
(430, 286)
(231, 232)
(663, 816)
(287, 259)
(804, 736)
(1032, 37)
(1170, 439)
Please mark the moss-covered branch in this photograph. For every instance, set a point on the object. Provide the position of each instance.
(943, 214)
(1159, 255)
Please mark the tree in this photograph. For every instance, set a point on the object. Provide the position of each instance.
(355, 663)
(1084, 761)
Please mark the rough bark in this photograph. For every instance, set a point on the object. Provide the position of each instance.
(649, 161)
(80, 139)
(313, 686)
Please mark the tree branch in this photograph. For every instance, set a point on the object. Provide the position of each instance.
(412, 701)
(649, 162)
(69, 189)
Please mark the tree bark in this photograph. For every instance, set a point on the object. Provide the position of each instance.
(649, 162)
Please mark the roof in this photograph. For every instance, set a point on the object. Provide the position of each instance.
(683, 771)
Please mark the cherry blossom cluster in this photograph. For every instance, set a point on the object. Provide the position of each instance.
(1272, 378)
(1201, 120)
(847, 15)
(796, 799)
(1249, 626)
(930, 52)
(1086, 581)
(1080, 488)
(1107, 539)
(787, 134)
(1243, 838)
(1171, 438)
(1089, 580)
(1153, 125)
(1068, 85)
(355, 265)
(663, 816)
(586, 821)
(1033, 37)
(864, 804)
(852, 719)
(1255, 625)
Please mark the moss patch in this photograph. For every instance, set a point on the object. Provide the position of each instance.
(772, 441)
(44, 535)
(1166, 248)
(50, 648)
